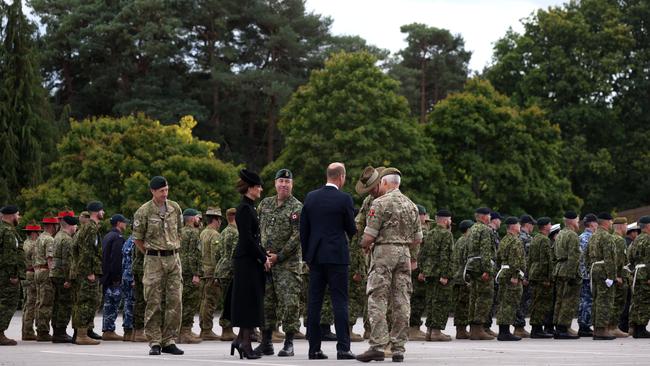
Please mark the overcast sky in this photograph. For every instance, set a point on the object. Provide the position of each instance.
(480, 22)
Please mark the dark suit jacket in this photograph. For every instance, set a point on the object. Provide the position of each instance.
(112, 258)
(326, 217)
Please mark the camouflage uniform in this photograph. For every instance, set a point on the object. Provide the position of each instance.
(191, 264)
(11, 266)
(60, 274)
(279, 228)
(419, 294)
(393, 222)
(622, 271)
(159, 229)
(223, 270)
(210, 290)
(127, 282)
(435, 262)
(524, 304)
(567, 277)
(29, 288)
(87, 260)
(461, 289)
(479, 259)
(44, 288)
(639, 256)
(512, 263)
(586, 298)
(602, 262)
(540, 275)
(357, 290)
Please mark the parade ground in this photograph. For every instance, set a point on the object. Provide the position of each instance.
(584, 351)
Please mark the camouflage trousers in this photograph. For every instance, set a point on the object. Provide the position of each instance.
(541, 302)
(358, 305)
(191, 300)
(282, 300)
(210, 302)
(163, 283)
(129, 304)
(85, 302)
(139, 304)
(523, 308)
(418, 300)
(509, 298)
(438, 300)
(640, 305)
(9, 298)
(29, 304)
(461, 305)
(44, 300)
(620, 297)
(224, 283)
(481, 295)
(113, 296)
(603, 302)
(566, 300)
(389, 285)
(62, 309)
(585, 305)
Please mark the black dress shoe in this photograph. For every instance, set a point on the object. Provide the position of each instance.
(318, 355)
(172, 349)
(155, 351)
(345, 355)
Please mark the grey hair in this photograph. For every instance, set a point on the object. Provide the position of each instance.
(392, 179)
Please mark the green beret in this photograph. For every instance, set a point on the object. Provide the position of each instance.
(284, 173)
(483, 211)
(543, 221)
(157, 182)
(570, 215)
(644, 220)
(443, 213)
(95, 206)
(9, 210)
(190, 212)
(512, 220)
(421, 209)
(605, 216)
(70, 220)
(465, 225)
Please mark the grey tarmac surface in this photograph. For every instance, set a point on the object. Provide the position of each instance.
(626, 351)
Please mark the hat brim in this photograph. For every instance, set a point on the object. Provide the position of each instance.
(361, 188)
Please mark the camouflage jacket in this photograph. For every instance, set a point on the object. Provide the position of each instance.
(602, 256)
(280, 230)
(61, 255)
(44, 249)
(159, 230)
(393, 219)
(190, 252)
(458, 259)
(127, 260)
(480, 249)
(29, 250)
(435, 256)
(210, 250)
(511, 255)
(620, 253)
(87, 252)
(639, 254)
(12, 262)
(228, 239)
(525, 239)
(567, 254)
(540, 259)
(358, 264)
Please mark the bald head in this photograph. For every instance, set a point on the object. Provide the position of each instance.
(336, 174)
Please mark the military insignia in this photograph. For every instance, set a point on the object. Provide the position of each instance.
(136, 223)
(294, 216)
(371, 213)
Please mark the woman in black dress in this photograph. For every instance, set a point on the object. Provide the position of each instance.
(249, 264)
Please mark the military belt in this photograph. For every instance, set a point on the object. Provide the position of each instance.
(161, 253)
(42, 266)
(591, 275)
(395, 244)
(636, 269)
(469, 260)
(30, 269)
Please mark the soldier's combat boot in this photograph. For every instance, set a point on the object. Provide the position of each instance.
(128, 335)
(4, 341)
(640, 332)
(585, 332)
(28, 334)
(477, 333)
(561, 332)
(83, 339)
(60, 336)
(538, 333)
(208, 335)
(461, 332)
(366, 334)
(521, 332)
(415, 334)
(601, 334)
(266, 345)
(299, 335)
(371, 355)
(549, 328)
(93, 335)
(287, 350)
(438, 336)
(138, 336)
(111, 336)
(227, 334)
(277, 336)
(43, 337)
(489, 331)
(185, 336)
(505, 335)
(614, 331)
(354, 337)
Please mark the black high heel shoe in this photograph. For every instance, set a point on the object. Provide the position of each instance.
(235, 346)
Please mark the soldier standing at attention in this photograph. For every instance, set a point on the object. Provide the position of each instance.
(479, 267)
(540, 274)
(461, 288)
(279, 217)
(29, 286)
(567, 276)
(210, 290)
(86, 273)
(223, 271)
(512, 264)
(418, 296)
(11, 269)
(157, 227)
(436, 271)
(190, 254)
(527, 223)
(44, 288)
(586, 299)
(639, 256)
(60, 276)
(112, 276)
(392, 226)
(622, 271)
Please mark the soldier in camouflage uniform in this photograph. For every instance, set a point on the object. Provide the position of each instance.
(29, 286)
(567, 276)
(157, 226)
(525, 236)
(436, 270)
(392, 226)
(85, 272)
(210, 289)
(279, 217)
(12, 269)
(461, 288)
(540, 274)
(190, 253)
(60, 276)
(623, 272)
(479, 269)
(223, 270)
(639, 258)
(128, 286)
(602, 264)
(44, 288)
(418, 297)
(511, 262)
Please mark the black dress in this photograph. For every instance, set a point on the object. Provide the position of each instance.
(249, 280)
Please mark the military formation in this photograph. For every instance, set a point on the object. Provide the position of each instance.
(404, 267)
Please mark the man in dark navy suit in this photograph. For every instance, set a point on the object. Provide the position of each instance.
(326, 223)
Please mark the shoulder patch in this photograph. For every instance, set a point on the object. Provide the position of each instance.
(294, 216)
(371, 213)
(136, 223)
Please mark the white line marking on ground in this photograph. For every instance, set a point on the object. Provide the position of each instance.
(176, 358)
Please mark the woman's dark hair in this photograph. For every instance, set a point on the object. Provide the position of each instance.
(242, 187)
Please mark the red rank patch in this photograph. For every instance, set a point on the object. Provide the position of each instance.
(371, 213)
